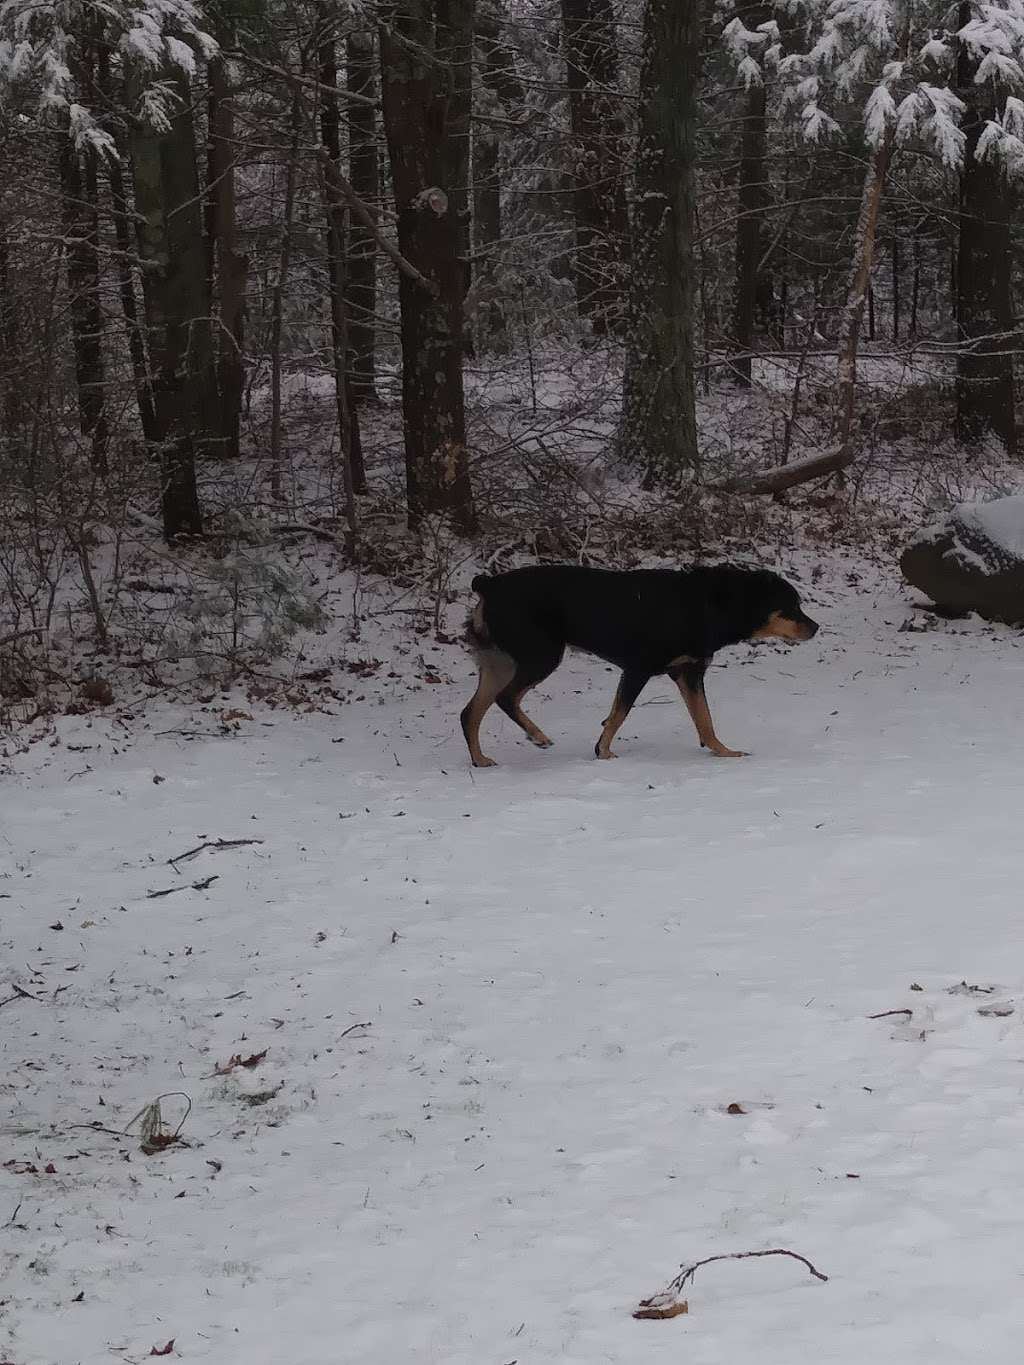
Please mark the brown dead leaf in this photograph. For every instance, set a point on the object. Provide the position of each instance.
(672, 1310)
(159, 1142)
(735, 1108)
(237, 1060)
(162, 1350)
(227, 716)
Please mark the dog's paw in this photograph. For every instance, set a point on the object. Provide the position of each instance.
(720, 751)
(484, 762)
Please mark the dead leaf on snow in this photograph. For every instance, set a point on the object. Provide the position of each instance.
(672, 1310)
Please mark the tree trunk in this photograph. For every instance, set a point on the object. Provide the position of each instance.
(9, 342)
(455, 31)
(984, 289)
(752, 199)
(857, 293)
(80, 193)
(231, 266)
(280, 284)
(659, 429)
(330, 133)
(336, 214)
(126, 251)
(597, 159)
(364, 176)
(498, 91)
(173, 255)
(424, 163)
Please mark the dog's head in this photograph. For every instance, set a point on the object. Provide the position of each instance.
(756, 604)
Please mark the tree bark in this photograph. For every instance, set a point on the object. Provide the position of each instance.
(415, 87)
(9, 341)
(857, 292)
(984, 288)
(280, 284)
(498, 91)
(126, 251)
(364, 176)
(659, 429)
(330, 133)
(752, 199)
(80, 194)
(173, 256)
(231, 267)
(597, 160)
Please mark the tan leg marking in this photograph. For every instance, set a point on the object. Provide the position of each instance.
(700, 714)
(612, 725)
(535, 733)
(495, 673)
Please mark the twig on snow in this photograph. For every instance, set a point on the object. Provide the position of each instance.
(216, 844)
(886, 1014)
(203, 885)
(19, 994)
(667, 1304)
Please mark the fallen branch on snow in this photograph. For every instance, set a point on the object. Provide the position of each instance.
(667, 1304)
(215, 844)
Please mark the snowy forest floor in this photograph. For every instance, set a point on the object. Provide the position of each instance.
(505, 1014)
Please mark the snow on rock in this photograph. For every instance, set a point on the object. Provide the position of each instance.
(972, 559)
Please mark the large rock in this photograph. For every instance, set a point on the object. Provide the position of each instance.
(972, 560)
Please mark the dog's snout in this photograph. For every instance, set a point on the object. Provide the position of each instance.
(811, 627)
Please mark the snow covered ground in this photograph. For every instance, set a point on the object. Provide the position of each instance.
(505, 1014)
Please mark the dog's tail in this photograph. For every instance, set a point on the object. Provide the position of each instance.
(477, 635)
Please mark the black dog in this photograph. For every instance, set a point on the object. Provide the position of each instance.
(646, 622)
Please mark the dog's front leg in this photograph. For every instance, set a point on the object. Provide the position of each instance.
(631, 684)
(689, 678)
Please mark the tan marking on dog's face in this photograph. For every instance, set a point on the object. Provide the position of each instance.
(681, 659)
(781, 627)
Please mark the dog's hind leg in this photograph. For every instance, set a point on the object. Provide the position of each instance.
(529, 672)
(631, 684)
(689, 678)
(496, 671)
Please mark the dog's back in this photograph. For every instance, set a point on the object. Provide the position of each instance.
(617, 615)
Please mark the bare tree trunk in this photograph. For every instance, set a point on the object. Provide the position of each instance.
(337, 214)
(984, 289)
(173, 255)
(415, 87)
(80, 193)
(897, 266)
(9, 341)
(498, 90)
(455, 31)
(330, 133)
(857, 293)
(126, 252)
(752, 201)
(659, 427)
(597, 160)
(364, 176)
(231, 266)
(280, 284)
